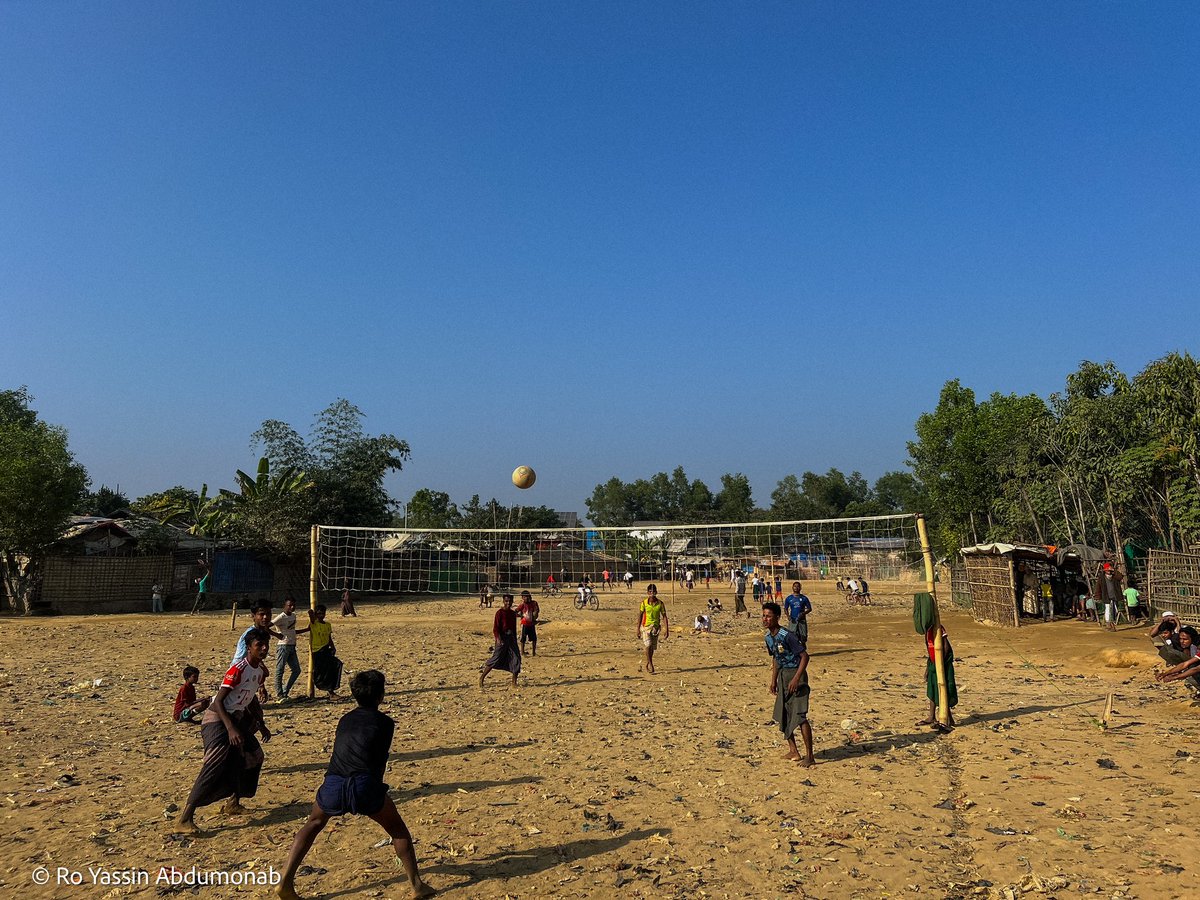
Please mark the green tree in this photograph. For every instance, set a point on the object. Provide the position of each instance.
(609, 504)
(949, 458)
(346, 465)
(269, 512)
(40, 483)
(734, 502)
(177, 495)
(431, 509)
(199, 514)
(900, 492)
(789, 502)
(102, 502)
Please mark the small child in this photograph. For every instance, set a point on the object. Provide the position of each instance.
(186, 707)
(354, 784)
(703, 625)
(714, 605)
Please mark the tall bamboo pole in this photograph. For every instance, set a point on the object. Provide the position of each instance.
(312, 601)
(939, 661)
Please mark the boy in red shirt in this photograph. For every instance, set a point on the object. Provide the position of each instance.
(529, 612)
(186, 707)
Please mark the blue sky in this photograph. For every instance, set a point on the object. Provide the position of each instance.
(595, 238)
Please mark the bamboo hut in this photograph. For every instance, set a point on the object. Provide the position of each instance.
(995, 576)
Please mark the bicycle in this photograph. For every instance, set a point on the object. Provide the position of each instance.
(587, 597)
(551, 590)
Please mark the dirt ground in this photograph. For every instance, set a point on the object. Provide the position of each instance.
(594, 780)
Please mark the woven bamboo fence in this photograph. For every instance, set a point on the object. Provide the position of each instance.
(1173, 583)
(80, 585)
(993, 594)
(960, 588)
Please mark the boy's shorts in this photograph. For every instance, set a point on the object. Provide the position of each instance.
(359, 794)
(190, 716)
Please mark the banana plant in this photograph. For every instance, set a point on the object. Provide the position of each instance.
(203, 516)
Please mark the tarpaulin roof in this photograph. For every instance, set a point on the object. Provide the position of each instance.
(999, 549)
(1082, 552)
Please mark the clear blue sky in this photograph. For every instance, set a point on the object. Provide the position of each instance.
(595, 238)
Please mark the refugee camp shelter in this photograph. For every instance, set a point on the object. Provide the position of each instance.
(994, 579)
(1015, 584)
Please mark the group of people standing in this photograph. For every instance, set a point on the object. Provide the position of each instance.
(233, 728)
(506, 652)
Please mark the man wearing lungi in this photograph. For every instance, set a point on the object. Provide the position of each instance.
(506, 654)
(233, 758)
(789, 684)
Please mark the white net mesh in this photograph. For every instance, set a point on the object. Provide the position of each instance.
(460, 561)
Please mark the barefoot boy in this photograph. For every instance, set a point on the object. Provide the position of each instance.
(652, 619)
(233, 758)
(789, 684)
(506, 654)
(354, 784)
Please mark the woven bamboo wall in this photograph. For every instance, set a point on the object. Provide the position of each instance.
(1173, 582)
(81, 585)
(989, 580)
(960, 589)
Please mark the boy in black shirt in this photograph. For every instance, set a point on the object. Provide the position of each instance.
(354, 784)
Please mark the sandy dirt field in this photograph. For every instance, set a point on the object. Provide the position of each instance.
(594, 780)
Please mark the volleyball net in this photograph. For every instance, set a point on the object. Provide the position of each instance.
(461, 561)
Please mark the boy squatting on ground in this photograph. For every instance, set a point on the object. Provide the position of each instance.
(789, 684)
(354, 784)
(187, 708)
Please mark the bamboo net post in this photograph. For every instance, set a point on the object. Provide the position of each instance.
(1012, 587)
(313, 544)
(939, 660)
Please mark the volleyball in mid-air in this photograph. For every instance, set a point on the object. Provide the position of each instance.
(524, 477)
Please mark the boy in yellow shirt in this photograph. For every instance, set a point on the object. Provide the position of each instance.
(652, 619)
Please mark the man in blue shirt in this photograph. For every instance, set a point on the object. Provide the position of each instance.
(789, 684)
(798, 606)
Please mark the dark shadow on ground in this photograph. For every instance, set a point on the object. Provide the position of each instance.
(875, 745)
(429, 790)
(533, 860)
(1022, 711)
(720, 666)
(901, 740)
(412, 755)
(292, 812)
(848, 650)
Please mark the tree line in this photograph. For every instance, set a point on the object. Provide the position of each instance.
(676, 499)
(1111, 460)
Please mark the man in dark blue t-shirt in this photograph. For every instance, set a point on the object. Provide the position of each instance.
(798, 606)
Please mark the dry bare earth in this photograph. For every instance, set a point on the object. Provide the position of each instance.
(594, 780)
